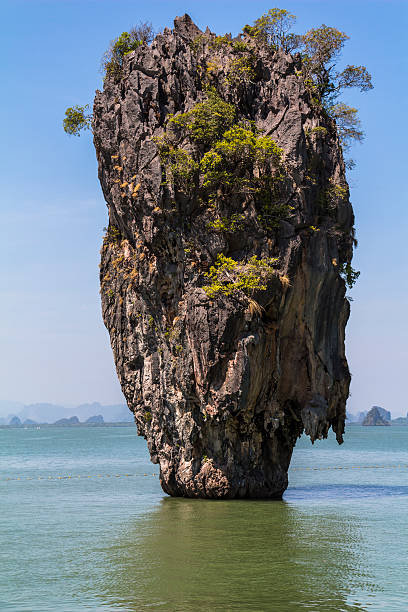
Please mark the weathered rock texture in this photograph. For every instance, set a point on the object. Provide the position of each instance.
(220, 389)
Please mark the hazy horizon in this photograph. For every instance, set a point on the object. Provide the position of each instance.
(46, 412)
(87, 409)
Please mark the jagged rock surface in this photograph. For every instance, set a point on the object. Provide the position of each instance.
(222, 391)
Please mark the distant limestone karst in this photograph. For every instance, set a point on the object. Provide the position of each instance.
(386, 414)
(71, 421)
(98, 418)
(15, 421)
(377, 416)
(43, 413)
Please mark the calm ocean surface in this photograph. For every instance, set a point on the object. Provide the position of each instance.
(104, 540)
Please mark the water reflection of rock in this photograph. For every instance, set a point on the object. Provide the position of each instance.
(193, 555)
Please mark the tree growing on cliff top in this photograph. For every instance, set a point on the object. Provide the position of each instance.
(320, 48)
(348, 124)
(76, 119)
(112, 61)
(273, 28)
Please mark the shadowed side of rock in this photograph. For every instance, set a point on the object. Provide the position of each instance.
(223, 369)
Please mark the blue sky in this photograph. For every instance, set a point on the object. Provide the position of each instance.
(54, 345)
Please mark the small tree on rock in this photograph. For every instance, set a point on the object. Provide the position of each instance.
(320, 48)
(76, 120)
(273, 28)
(112, 60)
(348, 123)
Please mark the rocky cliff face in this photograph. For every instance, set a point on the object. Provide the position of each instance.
(220, 273)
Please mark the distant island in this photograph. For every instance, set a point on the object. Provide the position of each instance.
(94, 421)
(71, 421)
(375, 417)
(53, 415)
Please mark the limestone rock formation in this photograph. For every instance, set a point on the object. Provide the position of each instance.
(385, 414)
(375, 418)
(220, 271)
(68, 421)
(15, 422)
(97, 418)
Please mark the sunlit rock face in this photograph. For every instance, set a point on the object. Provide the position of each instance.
(223, 383)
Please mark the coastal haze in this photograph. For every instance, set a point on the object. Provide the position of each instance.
(16, 414)
(50, 413)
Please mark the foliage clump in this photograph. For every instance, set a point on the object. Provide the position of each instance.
(321, 46)
(273, 29)
(112, 61)
(349, 274)
(113, 235)
(318, 131)
(229, 277)
(180, 166)
(207, 121)
(230, 225)
(320, 49)
(219, 41)
(239, 46)
(230, 163)
(242, 70)
(76, 120)
(348, 124)
(233, 160)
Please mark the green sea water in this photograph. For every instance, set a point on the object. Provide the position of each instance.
(84, 525)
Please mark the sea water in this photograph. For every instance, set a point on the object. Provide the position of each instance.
(84, 525)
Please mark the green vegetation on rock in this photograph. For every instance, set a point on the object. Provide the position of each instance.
(349, 274)
(273, 29)
(112, 61)
(320, 48)
(179, 164)
(212, 153)
(76, 120)
(229, 165)
(242, 70)
(233, 160)
(229, 277)
(207, 121)
(112, 235)
(229, 225)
